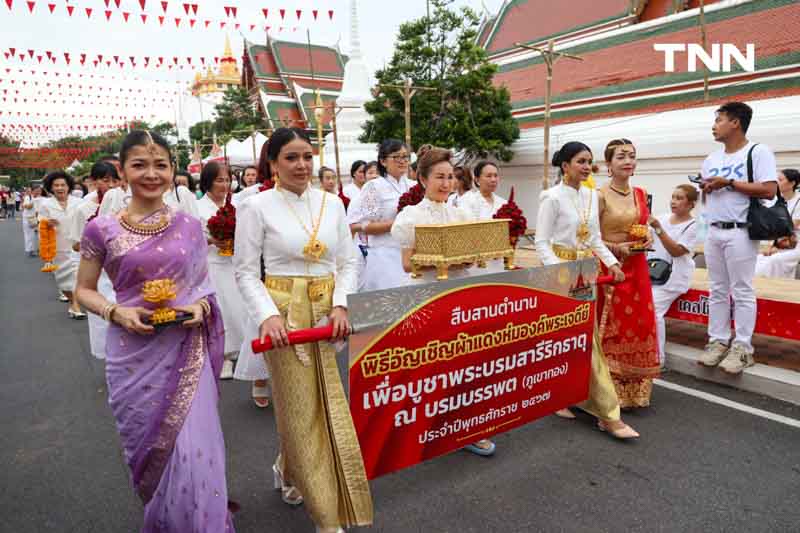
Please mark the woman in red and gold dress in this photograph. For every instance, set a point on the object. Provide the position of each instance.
(627, 316)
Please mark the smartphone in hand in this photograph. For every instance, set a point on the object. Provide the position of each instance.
(697, 180)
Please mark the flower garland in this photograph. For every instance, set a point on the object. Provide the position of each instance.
(222, 226)
(517, 223)
(345, 200)
(47, 245)
(414, 196)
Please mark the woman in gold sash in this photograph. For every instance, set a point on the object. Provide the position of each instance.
(568, 229)
(311, 266)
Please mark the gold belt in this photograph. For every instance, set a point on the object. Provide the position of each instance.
(570, 254)
(318, 286)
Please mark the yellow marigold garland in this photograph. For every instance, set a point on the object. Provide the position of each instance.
(47, 245)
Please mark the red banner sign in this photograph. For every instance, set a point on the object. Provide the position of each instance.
(467, 364)
(773, 317)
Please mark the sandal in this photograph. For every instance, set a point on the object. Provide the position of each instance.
(260, 396)
(76, 315)
(622, 432)
(487, 450)
(565, 413)
(289, 493)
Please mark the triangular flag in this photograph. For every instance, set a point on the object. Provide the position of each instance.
(222, 24)
(88, 12)
(265, 11)
(142, 3)
(177, 22)
(298, 12)
(144, 18)
(233, 10)
(31, 5)
(108, 15)
(330, 14)
(207, 22)
(283, 13)
(106, 2)
(252, 27)
(125, 15)
(70, 9)
(117, 2)
(9, 2)
(13, 51)
(186, 8)
(51, 7)
(194, 9)
(164, 6)
(191, 23)
(315, 12)
(161, 20)
(30, 53)
(116, 59)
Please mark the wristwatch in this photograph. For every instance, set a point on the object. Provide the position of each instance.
(658, 231)
(730, 185)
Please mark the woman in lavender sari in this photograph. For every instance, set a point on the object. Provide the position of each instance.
(161, 382)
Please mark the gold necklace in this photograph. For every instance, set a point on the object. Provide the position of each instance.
(314, 248)
(582, 233)
(143, 229)
(626, 193)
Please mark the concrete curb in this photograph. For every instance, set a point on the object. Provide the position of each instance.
(770, 381)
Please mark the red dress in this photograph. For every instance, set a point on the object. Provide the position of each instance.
(627, 316)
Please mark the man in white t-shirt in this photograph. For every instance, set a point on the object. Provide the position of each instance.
(730, 254)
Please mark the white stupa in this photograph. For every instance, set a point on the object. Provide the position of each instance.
(350, 121)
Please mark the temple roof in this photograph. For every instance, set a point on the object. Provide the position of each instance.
(282, 72)
(623, 74)
(529, 21)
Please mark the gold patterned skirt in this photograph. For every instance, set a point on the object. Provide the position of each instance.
(603, 402)
(319, 448)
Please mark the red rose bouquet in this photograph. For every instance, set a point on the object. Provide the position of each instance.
(222, 226)
(517, 224)
(414, 196)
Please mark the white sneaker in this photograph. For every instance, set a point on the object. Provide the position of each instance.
(227, 370)
(739, 357)
(714, 353)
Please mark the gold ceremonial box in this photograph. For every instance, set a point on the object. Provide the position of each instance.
(445, 245)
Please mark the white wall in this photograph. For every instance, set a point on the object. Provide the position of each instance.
(670, 145)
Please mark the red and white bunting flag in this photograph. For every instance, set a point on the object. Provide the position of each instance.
(142, 3)
(299, 13)
(315, 12)
(161, 20)
(330, 14)
(164, 6)
(194, 9)
(51, 7)
(252, 27)
(108, 14)
(186, 8)
(106, 2)
(144, 18)
(234, 9)
(265, 11)
(207, 22)
(191, 23)
(177, 22)
(9, 3)
(222, 24)
(283, 13)
(70, 9)
(117, 2)
(125, 15)
(88, 12)
(31, 5)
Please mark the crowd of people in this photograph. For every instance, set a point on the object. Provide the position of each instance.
(139, 230)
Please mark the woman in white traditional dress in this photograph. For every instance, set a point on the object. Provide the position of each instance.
(310, 265)
(105, 177)
(568, 229)
(358, 178)
(676, 235)
(780, 261)
(482, 203)
(215, 183)
(58, 209)
(180, 198)
(435, 173)
(463, 185)
(29, 220)
(372, 215)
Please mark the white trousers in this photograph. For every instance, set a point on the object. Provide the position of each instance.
(663, 296)
(731, 262)
(31, 237)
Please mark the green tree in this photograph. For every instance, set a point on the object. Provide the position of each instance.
(203, 133)
(465, 111)
(236, 113)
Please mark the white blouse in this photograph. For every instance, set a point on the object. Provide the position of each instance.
(378, 202)
(351, 190)
(561, 209)
(115, 200)
(478, 207)
(267, 226)
(244, 194)
(425, 212)
(81, 217)
(182, 199)
(50, 209)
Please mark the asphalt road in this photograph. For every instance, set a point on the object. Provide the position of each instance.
(698, 466)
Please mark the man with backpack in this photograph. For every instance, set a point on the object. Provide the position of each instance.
(729, 251)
